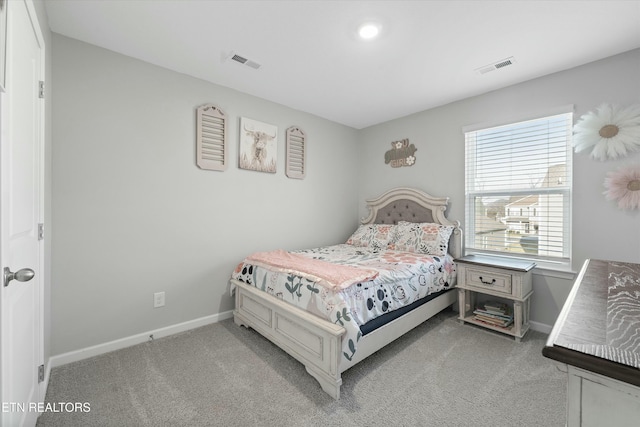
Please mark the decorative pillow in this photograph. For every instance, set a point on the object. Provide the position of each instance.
(372, 236)
(424, 238)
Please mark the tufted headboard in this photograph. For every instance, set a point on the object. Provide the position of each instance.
(408, 204)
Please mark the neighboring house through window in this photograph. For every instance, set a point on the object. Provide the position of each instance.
(518, 189)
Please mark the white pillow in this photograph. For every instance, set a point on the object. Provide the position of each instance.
(372, 236)
(424, 238)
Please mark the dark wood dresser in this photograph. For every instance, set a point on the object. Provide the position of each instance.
(596, 340)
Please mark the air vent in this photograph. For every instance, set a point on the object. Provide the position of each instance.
(503, 63)
(496, 65)
(239, 59)
(244, 61)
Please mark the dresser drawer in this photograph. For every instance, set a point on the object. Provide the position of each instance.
(488, 280)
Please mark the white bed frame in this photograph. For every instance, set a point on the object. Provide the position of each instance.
(316, 342)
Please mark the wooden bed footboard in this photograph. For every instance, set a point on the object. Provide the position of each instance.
(315, 342)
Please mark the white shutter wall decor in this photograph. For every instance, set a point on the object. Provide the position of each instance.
(296, 153)
(211, 138)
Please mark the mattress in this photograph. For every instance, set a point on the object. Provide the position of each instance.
(399, 281)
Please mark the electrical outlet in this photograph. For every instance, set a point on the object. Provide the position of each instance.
(158, 299)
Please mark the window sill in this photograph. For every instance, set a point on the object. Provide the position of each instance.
(555, 271)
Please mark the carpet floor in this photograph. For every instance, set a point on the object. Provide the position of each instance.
(441, 373)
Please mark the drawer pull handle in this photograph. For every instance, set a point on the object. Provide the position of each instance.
(488, 283)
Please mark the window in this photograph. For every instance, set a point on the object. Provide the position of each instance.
(518, 189)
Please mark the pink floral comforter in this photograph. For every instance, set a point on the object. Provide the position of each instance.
(331, 276)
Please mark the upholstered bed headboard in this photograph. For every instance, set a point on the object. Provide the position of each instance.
(408, 204)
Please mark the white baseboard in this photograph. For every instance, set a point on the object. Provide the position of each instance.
(85, 353)
(96, 350)
(540, 327)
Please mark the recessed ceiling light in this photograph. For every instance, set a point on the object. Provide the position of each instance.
(369, 30)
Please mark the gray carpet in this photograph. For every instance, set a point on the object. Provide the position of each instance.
(440, 374)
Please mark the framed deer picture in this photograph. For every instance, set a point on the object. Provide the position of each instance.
(258, 146)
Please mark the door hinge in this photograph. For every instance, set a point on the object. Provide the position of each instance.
(40, 231)
(40, 373)
(41, 89)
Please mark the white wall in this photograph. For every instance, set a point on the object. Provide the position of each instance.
(600, 230)
(134, 215)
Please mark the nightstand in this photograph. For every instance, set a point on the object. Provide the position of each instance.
(507, 279)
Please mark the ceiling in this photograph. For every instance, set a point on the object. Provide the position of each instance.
(311, 59)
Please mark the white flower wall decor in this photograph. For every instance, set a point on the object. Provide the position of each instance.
(610, 132)
(623, 185)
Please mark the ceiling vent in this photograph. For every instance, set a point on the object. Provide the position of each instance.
(239, 59)
(244, 61)
(496, 65)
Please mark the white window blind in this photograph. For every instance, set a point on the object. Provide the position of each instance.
(518, 189)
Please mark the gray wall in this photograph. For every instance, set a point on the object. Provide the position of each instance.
(600, 230)
(133, 214)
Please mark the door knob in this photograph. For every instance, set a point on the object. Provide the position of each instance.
(22, 275)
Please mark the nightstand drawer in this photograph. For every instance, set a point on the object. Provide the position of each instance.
(489, 280)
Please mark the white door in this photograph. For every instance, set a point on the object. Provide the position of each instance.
(21, 148)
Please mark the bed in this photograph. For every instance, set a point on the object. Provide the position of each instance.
(298, 308)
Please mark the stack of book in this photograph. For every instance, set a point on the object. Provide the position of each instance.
(494, 313)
